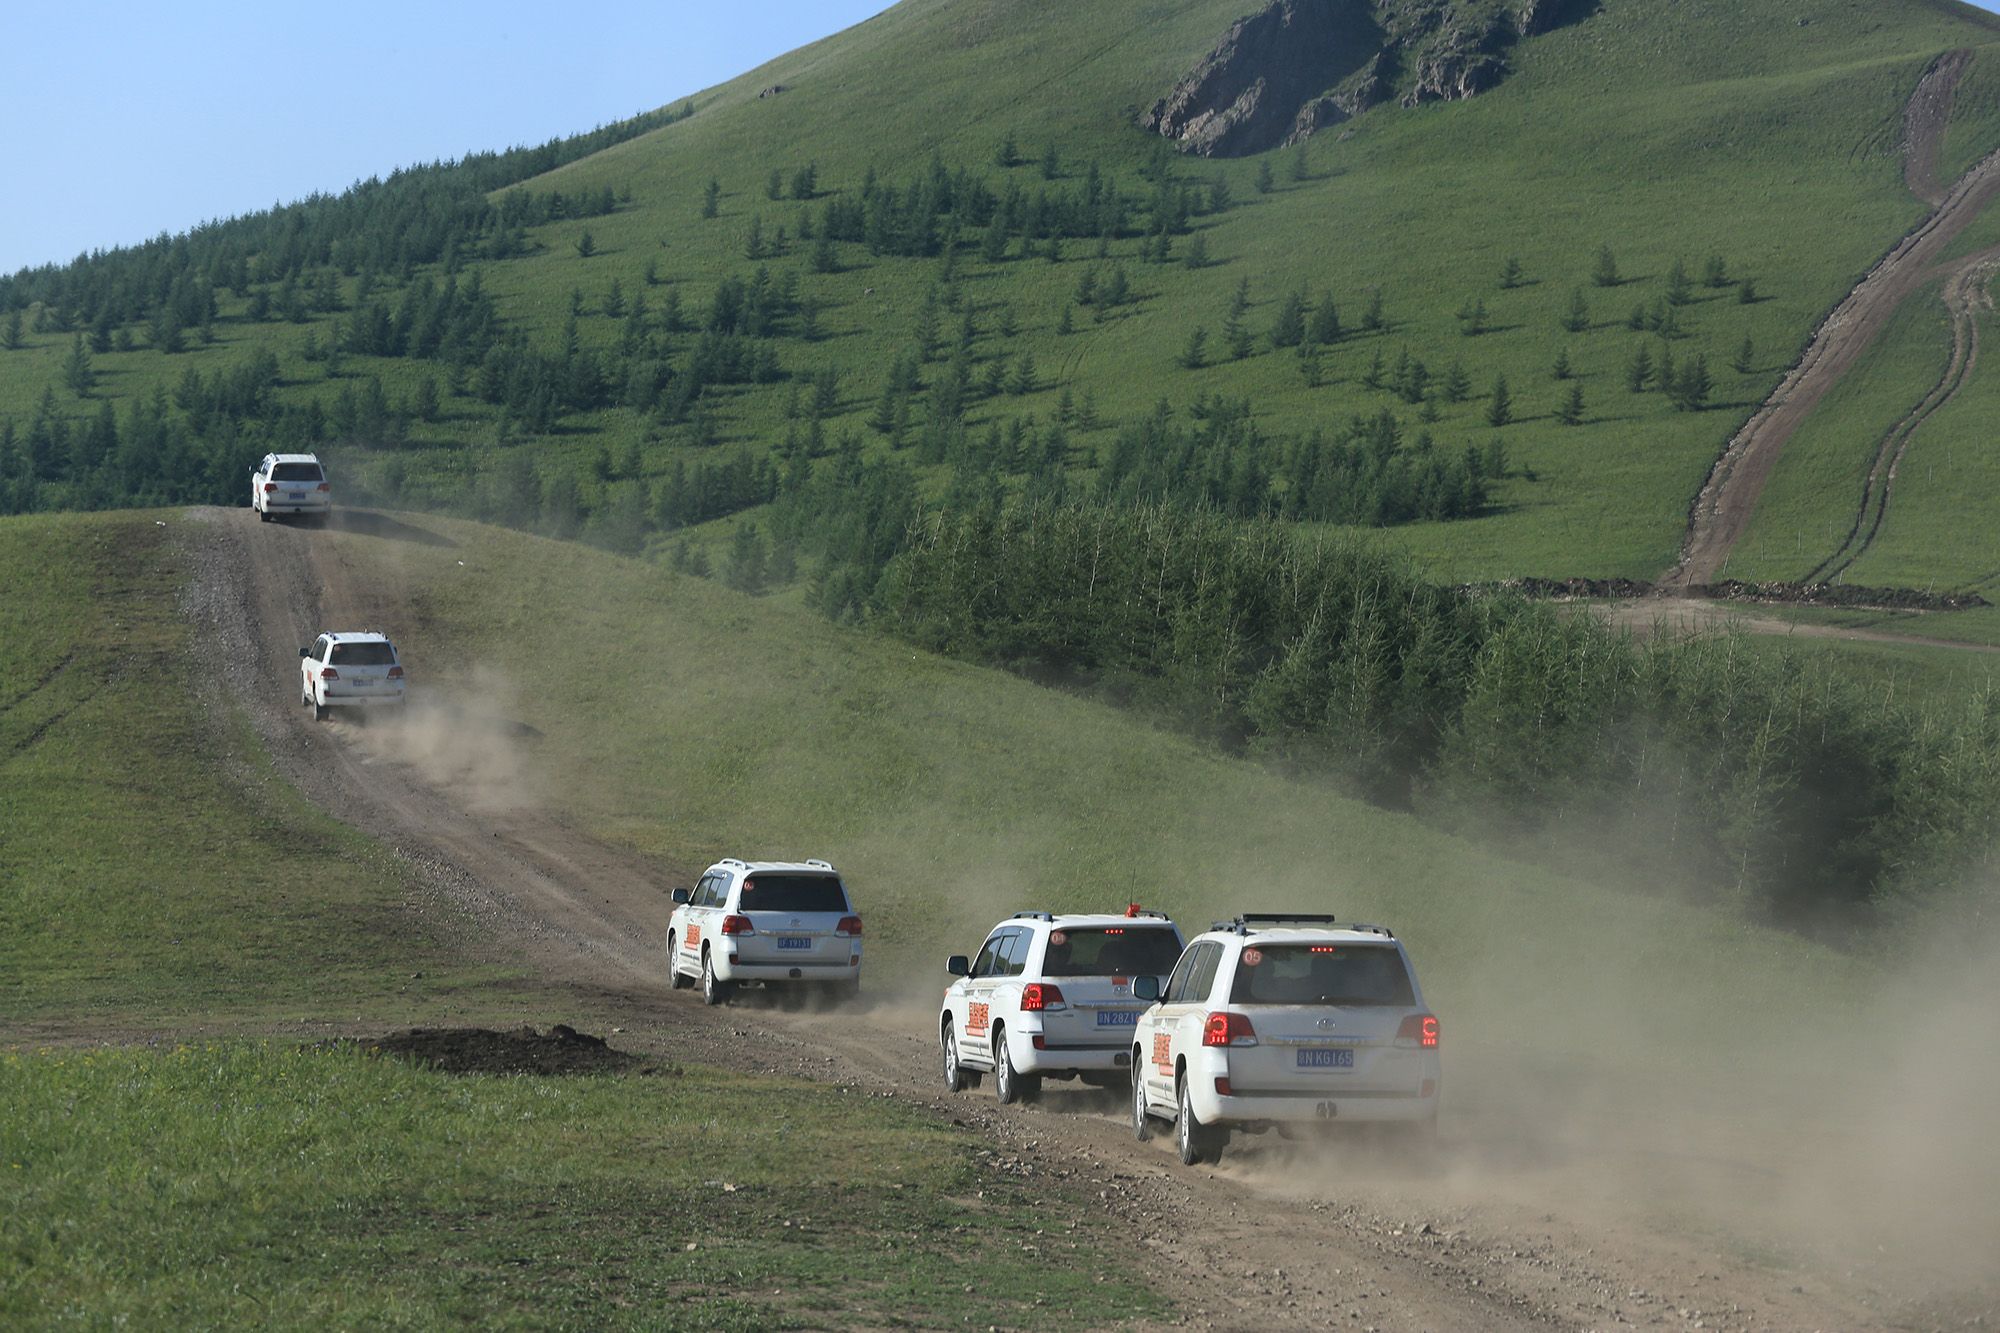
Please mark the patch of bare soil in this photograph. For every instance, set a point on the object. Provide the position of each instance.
(561, 1050)
(1722, 510)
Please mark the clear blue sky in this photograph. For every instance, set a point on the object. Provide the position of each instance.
(120, 119)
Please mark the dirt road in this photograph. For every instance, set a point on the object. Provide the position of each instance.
(1494, 1235)
(1727, 500)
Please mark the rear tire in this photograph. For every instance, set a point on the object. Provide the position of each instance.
(954, 1072)
(1142, 1120)
(320, 710)
(1009, 1084)
(714, 990)
(676, 979)
(1197, 1142)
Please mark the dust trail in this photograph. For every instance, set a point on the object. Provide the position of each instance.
(462, 740)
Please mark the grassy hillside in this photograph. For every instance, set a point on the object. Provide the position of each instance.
(1764, 135)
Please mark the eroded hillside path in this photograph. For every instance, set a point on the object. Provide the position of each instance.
(1510, 1232)
(1728, 498)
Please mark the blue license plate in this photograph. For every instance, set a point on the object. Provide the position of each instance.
(1338, 1058)
(795, 942)
(1117, 1018)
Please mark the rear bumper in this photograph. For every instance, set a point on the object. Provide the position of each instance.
(384, 699)
(1060, 1059)
(844, 969)
(281, 504)
(1326, 1104)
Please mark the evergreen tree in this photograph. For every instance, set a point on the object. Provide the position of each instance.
(1679, 290)
(711, 198)
(747, 570)
(1472, 317)
(1693, 385)
(805, 183)
(1312, 366)
(1510, 274)
(77, 372)
(1264, 182)
(586, 246)
(1500, 408)
(1218, 193)
(1066, 322)
(1301, 165)
(753, 241)
(1667, 375)
(1639, 370)
(614, 301)
(1290, 325)
(1325, 330)
(1746, 294)
(1577, 318)
(10, 331)
(774, 185)
(1561, 369)
(1008, 154)
(1457, 386)
(1606, 272)
(1746, 357)
(1023, 380)
(1197, 253)
(1640, 319)
(1716, 273)
(425, 406)
(1570, 411)
(1195, 354)
(1373, 319)
(1372, 377)
(1051, 163)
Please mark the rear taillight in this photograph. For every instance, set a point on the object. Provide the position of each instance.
(328, 673)
(737, 925)
(849, 925)
(1222, 1088)
(270, 487)
(1224, 1028)
(323, 486)
(1421, 1029)
(1039, 995)
(395, 673)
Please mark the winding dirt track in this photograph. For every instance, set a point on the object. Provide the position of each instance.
(1278, 1240)
(1728, 498)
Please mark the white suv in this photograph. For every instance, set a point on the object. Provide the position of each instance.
(1275, 1020)
(290, 484)
(771, 922)
(1051, 996)
(355, 670)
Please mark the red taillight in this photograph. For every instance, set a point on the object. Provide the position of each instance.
(1421, 1029)
(323, 486)
(1039, 995)
(849, 925)
(1222, 1088)
(328, 673)
(737, 925)
(270, 487)
(395, 673)
(1224, 1028)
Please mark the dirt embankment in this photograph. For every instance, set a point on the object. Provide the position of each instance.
(1522, 1223)
(1722, 510)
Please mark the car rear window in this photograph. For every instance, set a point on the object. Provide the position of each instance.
(297, 472)
(1343, 974)
(792, 893)
(1105, 951)
(363, 654)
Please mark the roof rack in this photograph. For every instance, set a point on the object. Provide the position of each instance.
(1147, 911)
(733, 861)
(1033, 916)
(819, 864)
(1248, 922)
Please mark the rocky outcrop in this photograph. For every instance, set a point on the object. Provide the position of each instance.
(1298, 66)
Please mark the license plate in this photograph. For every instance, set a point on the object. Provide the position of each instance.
(1338, 1058)
(1117, 1018)
(795, 942)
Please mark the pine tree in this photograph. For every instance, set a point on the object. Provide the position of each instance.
(586, 245)
(1561, 369)
(1066, 322)
(1051, 163)
(805, 182)
(1290, 325)
(10, 331)
(1301, 165)
(753, 242)
(1008, 154)
(1640, 319)
(1679, 290)
(1577, 318)
(1218, 193)
(614, 301)
(77, 372)
(711, 198)
(1195, 355)
(1606, 272)
(425, 406)
(1023, 380)
(1312, 365)
(1639, 370)
(1747, 293)
(1510, 274)
(1372, 377)
(1197, 254)
(1500, 408)
(1570, 411)
(1264, 182)
(1667, 375)
(1457, 385)
(1746, 357)
(1373, 319)
(1694, 386)
(1325, 329)
(1472, 317)
(1716, 273)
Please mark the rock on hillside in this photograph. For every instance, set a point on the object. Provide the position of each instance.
(1301, 65)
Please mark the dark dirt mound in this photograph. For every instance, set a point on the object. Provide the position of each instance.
(560, 1050)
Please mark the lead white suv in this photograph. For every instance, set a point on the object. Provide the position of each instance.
(1274, 1020)
(351, 670)
(1051, 996)
(290, 484)
(770, 922)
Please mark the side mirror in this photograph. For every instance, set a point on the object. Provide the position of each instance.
(958, 965)
(1147, 989)
(305, 652)
(681, 896)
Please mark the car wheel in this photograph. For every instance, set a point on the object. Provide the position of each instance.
(714, 990)
(1197, 1142)
(263, 515)
(1142, 1120)
(954, 1072)
(1009, 1084)
(676, 978)
(320, 710)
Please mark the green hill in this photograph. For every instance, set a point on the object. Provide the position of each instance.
(1753, 141)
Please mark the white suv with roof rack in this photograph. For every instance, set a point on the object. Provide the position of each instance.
(1051, 996)
(1275, 1020)
(290, 484)
(351, 670)
(774, 923)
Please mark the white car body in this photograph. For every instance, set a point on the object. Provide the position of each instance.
(1051, 996)
(290, 484)
(351, 670)
(1273, 1021)
(803, 929)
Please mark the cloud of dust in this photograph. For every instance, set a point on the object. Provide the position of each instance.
(462, 739)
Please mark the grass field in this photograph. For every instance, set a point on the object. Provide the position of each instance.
(241, 1184)
(1747, 131)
